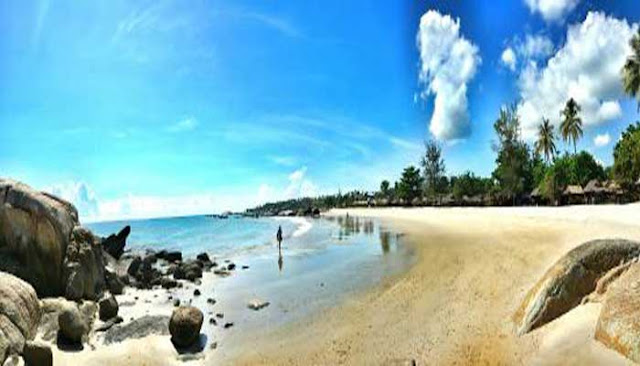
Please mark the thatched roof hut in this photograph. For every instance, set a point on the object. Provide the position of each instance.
(593, 187)
(573, 190)
(612, 187)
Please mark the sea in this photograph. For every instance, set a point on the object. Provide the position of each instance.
(322, 263)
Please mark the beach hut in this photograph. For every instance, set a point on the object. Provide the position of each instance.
(448, 200)
(593, 191)
(614, 191)
(536, 196)
(573, 194)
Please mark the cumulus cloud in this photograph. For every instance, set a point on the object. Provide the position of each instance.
(300, 185)
(78, 193)
(552, 10)
(448, 62)
(532, 48)
(586, 68)
(535, 46)
(509, 59)
(602, 140)
(186, 124)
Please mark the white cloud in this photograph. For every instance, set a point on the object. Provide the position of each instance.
(602, 140)
(186, 124)
(78, 193)
(508, 58)
(552, 10)
(300, 185)
(586, 68)
(448, 63)
(609, 110)
(535, 46)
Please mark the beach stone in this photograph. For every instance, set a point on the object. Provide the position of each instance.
(231, 266)
(176, 302)
(114, 282)
(138, 328)
(196, 292)
(168, 283)
(72, 325)
(211, 301)
(20, 314)
(135, 264)
(184, 325)
(618, 326)
(203, 257)
(108, 308)
(570, 279)
(37, 354)
(114, 244)
(172, 257)
(257, 304)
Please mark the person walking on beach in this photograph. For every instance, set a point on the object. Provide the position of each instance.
(279, 236)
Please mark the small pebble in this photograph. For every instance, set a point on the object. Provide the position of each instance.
(213, 321)
(196, 292)
(219, 315)
(228, 325)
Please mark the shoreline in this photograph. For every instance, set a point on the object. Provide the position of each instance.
(454, 305)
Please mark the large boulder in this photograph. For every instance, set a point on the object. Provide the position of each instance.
(19, 314)
(184, 326)
(571, 279)
(114, 244)
(72, 325)
(619, 324)
(41, 241)
(84, 266)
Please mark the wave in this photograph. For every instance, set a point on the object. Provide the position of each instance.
(303, 225)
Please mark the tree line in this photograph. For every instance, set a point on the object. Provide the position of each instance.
(520, 169)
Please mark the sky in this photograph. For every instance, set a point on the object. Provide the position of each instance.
(134, 109)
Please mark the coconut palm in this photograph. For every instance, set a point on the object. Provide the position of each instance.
(546, 140)
(571, 126)
(631, 70)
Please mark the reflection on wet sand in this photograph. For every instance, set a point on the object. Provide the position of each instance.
(350, 225)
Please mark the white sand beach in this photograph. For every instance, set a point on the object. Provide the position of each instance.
(454, 306)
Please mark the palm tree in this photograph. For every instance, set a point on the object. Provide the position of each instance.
(571, 126)
(631, 69)
(546, 144)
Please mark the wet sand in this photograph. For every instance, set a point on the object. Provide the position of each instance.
(454, 306)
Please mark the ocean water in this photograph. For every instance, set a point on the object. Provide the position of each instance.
(322, 263)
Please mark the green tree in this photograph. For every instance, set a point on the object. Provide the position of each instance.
(584, 168)
(571, 126)
(384, 188)
(546, 140)
(513, 170)
(631, 70)
(433, 168)
(410, 184)
(470, 185)
(626, 156)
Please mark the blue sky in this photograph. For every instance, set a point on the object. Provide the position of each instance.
(154, 108)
